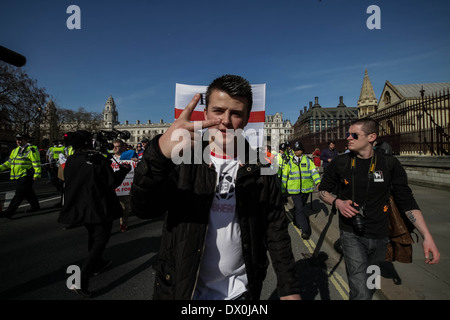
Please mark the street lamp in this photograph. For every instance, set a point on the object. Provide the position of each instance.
(39, 110)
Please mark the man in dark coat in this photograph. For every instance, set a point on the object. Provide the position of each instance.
(327, 155)
(90, 200)
(224, 211)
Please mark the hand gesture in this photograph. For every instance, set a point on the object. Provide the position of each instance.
(171, 138)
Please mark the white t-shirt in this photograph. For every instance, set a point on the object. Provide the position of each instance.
(222, 270)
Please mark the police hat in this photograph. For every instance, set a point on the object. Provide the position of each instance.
(282, 146)
(23, 136)
(298, 146)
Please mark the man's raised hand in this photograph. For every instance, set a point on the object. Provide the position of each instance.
(183, 128)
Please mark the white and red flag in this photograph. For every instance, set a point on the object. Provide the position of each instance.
(254, 130)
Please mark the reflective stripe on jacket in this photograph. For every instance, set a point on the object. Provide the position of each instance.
(300, 177)
(21, 160)
(283, 160)
(56, 151)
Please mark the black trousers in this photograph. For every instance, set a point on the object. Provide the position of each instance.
(98, 238)
(24, 191)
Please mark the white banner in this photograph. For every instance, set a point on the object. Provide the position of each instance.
(125, 187)
(254, 130)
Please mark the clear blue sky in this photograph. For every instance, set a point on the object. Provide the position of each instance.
(137, 50)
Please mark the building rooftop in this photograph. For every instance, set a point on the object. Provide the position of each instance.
(413, 90)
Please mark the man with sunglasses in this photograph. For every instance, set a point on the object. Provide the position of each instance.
(365, 179)
(25, 165)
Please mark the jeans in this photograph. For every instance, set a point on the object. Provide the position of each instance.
(359, 254)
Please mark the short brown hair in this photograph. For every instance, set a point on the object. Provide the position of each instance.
(368, 125)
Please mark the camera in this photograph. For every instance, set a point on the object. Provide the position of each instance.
(358, 220)
(101, 139)
(98, 141)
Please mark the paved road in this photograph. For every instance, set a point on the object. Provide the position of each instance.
(36, 252)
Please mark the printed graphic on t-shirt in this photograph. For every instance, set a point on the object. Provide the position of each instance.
(225, 201)
(225, 187)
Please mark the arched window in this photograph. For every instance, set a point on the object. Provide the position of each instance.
(387, 98)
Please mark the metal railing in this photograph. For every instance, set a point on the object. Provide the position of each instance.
(419, 126)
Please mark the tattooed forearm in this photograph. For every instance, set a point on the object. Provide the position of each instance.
(410, 216)
(322, 194)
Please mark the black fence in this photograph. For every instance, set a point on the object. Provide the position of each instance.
(419, 126)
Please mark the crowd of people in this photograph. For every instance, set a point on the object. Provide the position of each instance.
(223, 214)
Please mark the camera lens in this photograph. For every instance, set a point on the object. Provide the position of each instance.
(358, 223)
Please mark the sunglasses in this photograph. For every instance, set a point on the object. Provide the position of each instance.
(354, 135)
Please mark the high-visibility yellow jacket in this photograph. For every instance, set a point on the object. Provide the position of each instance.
(56, 151)
(283, 160)
(68, 151)
(301, 177)
(21, 160)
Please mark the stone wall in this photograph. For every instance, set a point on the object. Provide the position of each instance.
(429, 171)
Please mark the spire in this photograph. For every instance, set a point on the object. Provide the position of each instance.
(367, 102)
(367, 94)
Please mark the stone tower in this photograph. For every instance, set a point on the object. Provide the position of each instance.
(367, 102)
(110, 114)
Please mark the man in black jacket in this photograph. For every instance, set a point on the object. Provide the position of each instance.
(365, 182)
(223, 212)
(90, 200)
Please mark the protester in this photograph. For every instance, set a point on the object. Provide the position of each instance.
(139, 150)
(25, 165)
(300, 176)
(145, 142)
(316, 158)
(119, 152)
(221, 214)
(365, 182)
(90, 200)
(327, 155)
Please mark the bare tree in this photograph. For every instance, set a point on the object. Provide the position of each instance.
(80, 119)
(21, 99)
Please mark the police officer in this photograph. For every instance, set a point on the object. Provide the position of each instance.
(299, 178)
(58, 149)
(282, 157)
(25, 164)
